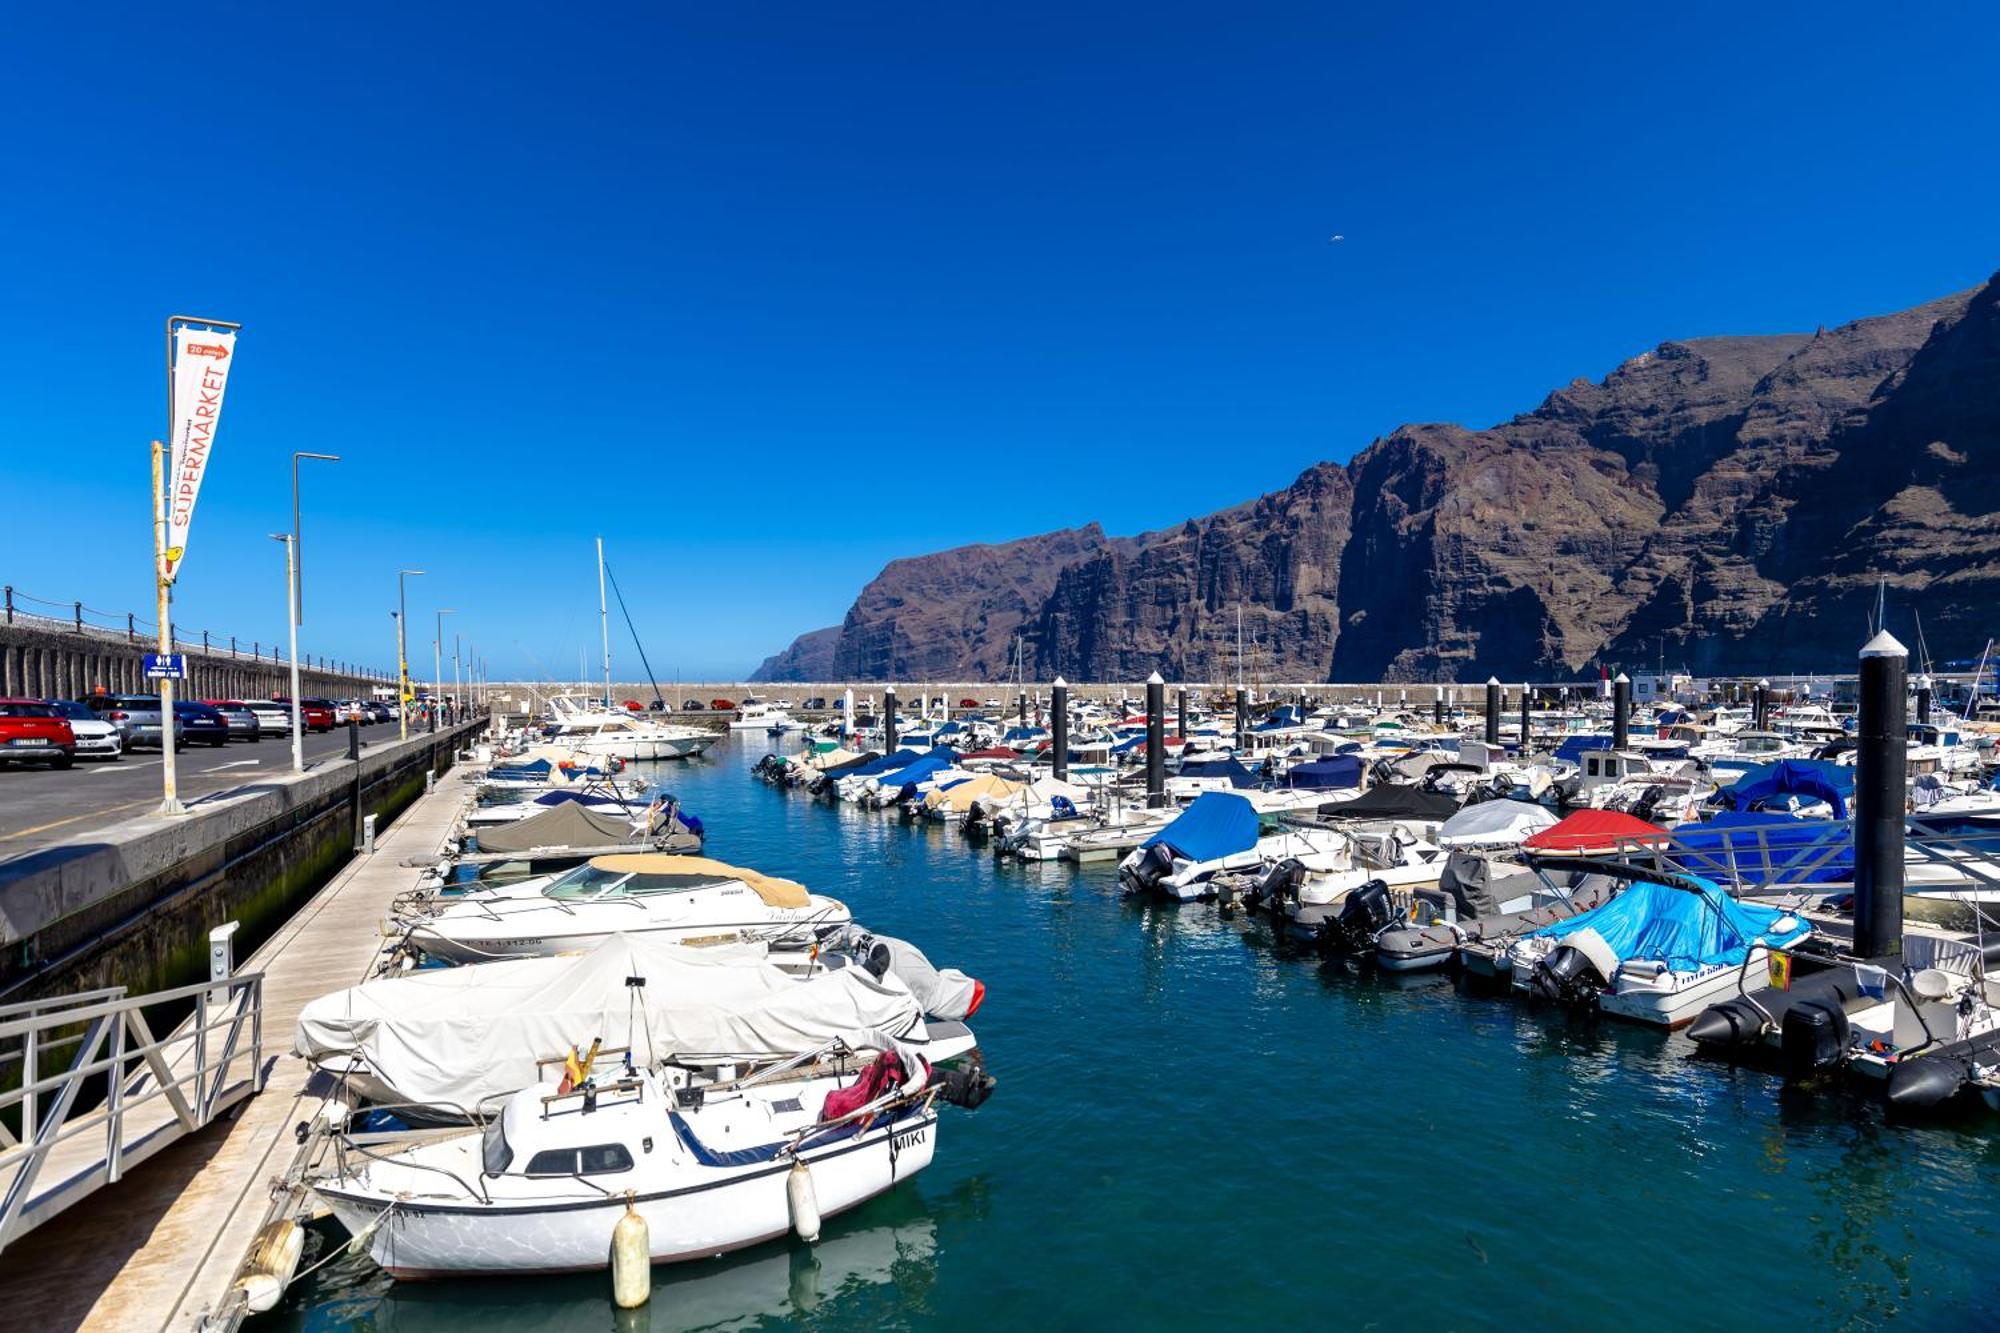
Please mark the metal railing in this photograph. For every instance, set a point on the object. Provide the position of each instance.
(136, 631)
(1808, 854)
(120, 1093)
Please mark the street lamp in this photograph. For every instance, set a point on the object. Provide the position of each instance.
(402, 652)
(292, 582)
(437, 665)
(457, 691)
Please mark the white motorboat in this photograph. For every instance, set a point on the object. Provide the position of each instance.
(1221, 831)
(708, 1167)
(757, 715)
(682, 899)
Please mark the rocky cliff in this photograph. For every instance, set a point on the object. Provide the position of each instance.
(1728, 503)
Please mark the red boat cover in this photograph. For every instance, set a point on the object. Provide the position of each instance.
(877, 1080)
(997, 752)
(1592, 831)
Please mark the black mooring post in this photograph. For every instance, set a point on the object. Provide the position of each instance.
(1156, 741)
(1180, 712)
(1242, 720)
(1059, 726)
(1923, 700)
(889, 720)
(1437, 708)
(1880, 773)
(1621, 711)
(1760, 706)
(353, 739)
(1526, 723)
(1021, 706)
(1492, 710)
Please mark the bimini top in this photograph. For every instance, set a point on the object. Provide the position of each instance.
(1593, 831)
(1684, 929)
(659, 872)
(1218, 824)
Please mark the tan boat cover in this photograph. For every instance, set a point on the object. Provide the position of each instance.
(774, 891)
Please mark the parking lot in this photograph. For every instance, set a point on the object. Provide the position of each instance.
(40, 807)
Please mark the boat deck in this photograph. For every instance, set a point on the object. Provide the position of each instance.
(162, 1246)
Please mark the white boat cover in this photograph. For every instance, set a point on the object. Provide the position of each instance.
(1494, 823)
(455, 1037)
(942, 992)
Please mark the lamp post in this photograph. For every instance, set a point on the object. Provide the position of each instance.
(457, 691)
(402, 652)
(437, 664)
(293, 581)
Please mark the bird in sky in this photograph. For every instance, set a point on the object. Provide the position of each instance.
(1335, 238)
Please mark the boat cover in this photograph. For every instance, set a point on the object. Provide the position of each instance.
(1216, 825)
(1592, 831)
(921, 770)
(960, 795)
(565, 825)
(1225, 766)
(1573, 747)
(1506, 822)
(1342, 770)
(888, 763)
(698, 870)
(1816, 779)
(1684, 929)
(1763, 847)
(1281, 717)
(850, 766)
(455, 1037)
(942, 992)
(1394, 800)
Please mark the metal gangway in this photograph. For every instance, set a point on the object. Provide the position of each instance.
(90, 1092)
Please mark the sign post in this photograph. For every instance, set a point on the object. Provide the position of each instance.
(199, 354)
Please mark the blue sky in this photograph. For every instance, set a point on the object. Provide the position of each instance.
(771, 294)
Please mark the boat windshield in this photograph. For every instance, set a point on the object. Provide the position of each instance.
(587, 883)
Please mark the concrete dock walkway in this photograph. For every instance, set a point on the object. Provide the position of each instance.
(160, 1248)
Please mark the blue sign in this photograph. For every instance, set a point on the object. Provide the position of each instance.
(166, 666)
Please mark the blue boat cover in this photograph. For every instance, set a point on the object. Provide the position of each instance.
(1285, 715)
(1573, 747)
(539, 768)
(919, 771)
(888, 763)
(1218, 824)
(1061, 807)
(1765, 846)
(1342, 770)
(1815, 778)
(1679, 927)
(1227, 766)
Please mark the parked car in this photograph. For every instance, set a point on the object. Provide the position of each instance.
(722, 705)
(32, 732)
(94, 736)
(136, 715)
(378, 711)
(814, 705)
(200, 724)
(694, 706)
(274, 716)
(968, 703)
(243, 722)
(317, 714)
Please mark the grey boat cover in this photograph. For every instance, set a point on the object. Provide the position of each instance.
(943, 992)
(1476, 889)
(452, 1038)
(1494, 823)
(573, 824)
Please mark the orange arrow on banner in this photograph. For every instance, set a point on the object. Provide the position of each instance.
(216, 350)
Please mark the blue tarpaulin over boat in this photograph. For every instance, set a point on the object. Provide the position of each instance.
(1285, 715)
(1763, 847)
(1573, 747)
(921, 770)
(1218, 824)
(1679, 927)
(1228, 766)
(888, 763)
(1342, 770)
(1815, 779)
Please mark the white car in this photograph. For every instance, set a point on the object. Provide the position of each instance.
(273, 718)
(95, 738)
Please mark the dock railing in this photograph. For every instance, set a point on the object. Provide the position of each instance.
(1815, 855)
(118, 1094)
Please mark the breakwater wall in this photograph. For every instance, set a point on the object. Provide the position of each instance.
(132, 904)
(44, 659)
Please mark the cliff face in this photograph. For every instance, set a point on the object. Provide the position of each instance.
(1732, 503)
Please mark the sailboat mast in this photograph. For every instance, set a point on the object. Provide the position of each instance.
(604, 622)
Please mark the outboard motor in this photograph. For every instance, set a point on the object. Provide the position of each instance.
(1281, 882)
(968, 1087)
(1154, 866)
(1577, 970)
(1364, 914)
(1812, 1037)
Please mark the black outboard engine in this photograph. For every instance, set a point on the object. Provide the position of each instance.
(1282, 883)
(1568, 977)
(968, 1087)
(1364, 914)
(1812, 1037)
(1154, 866)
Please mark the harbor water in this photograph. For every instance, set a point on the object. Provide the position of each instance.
(1191, 1130)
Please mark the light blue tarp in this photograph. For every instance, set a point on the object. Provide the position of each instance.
(1324, 774)
(1218, 824)
(1816, 779)
(1765, 847)
(1679, 927)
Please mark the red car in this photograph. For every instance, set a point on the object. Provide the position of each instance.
(723, 705)
(34, 732)
(314, 714)
(968, 703)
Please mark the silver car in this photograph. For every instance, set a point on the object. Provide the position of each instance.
(137, 717)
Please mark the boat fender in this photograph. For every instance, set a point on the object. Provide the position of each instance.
(274, 1257)
(1603, 958)
(804, 1205)
(1812, 1037)
(1925, 1082)
(631, 1260)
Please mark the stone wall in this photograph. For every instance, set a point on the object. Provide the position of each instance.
(45, 661)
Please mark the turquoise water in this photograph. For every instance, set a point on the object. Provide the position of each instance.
(1191, 1129)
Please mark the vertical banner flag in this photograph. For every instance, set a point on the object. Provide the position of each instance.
(201, 372)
